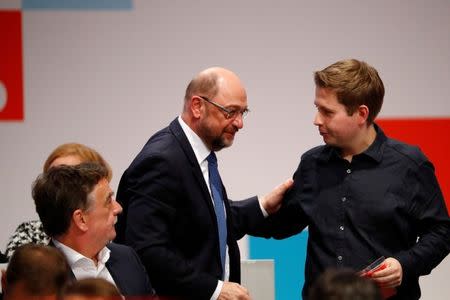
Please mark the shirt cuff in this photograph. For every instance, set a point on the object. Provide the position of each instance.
(216, 293)
(264, 212)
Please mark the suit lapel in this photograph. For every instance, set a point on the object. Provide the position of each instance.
(178, 132)
(113, 269)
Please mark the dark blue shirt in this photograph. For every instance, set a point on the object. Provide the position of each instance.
(385, 202)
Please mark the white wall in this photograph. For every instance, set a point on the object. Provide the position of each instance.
(110, 79)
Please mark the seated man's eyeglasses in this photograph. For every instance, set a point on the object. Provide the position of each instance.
(229, 112)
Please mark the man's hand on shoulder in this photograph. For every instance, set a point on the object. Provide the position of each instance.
(272, 201)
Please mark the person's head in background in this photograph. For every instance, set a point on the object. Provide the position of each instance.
(73, 154)
(343, 284)
(35, 272)
(65, 154)
(91, 289)
(77, 207)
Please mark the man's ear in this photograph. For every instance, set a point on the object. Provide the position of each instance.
(79, 219)
(196, 106)
(363, 114)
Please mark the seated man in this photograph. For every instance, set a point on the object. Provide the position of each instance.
(78, 211)
(35, 272)
(66, 154)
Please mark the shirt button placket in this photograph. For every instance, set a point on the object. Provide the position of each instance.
(341, 227)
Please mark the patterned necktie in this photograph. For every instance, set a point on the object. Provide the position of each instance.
(216, 191)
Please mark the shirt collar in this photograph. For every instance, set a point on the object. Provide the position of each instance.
(375, 150)
(73, 256)
(200, 150)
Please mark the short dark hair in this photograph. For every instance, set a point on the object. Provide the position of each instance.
(343, 284)
(355, 83)
(41, 270)
(62, 190)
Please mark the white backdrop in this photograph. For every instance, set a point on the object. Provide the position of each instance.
(110, 79)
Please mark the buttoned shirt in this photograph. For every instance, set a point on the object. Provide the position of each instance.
(385, 202)
(83, 267)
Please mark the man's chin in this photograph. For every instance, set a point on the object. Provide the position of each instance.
(112, 236)
(222, 143)
(327, 140)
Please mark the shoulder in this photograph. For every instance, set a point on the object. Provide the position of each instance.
(164, 143)
(315, 150)
(27, 232)
(34, 225)
(120, 249)
(32, 230)
(409, 153)
(160, 142)
(315, 153)
(122, 253)
(309, 158)
(162, 148)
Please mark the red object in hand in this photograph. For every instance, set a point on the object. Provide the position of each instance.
(378, 268)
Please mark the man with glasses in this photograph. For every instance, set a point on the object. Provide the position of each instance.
(176, 211)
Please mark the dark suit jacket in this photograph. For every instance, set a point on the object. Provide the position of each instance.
(127, 271)
(169, 218)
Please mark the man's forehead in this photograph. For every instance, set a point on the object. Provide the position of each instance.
(102, 187)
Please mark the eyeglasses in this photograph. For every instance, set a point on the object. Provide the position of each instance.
(229, 113)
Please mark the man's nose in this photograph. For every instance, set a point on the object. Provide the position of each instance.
(117, 207)
(239, 120)
(317, 119)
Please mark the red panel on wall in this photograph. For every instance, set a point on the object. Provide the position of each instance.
(11, 67)
(433, 138)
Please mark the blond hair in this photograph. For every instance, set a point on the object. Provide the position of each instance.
(85, 153)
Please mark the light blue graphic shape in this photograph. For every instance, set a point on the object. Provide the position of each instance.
(77, 4)
(289, 256)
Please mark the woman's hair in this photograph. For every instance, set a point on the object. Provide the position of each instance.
(84, 153)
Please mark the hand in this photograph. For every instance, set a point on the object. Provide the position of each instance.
(391, 276)
(233, 291)
(272, 201)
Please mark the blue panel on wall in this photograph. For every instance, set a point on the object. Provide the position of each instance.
(77, 4)
(289, 256)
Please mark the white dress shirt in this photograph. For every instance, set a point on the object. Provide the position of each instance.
(83, 267)
(201, 153)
